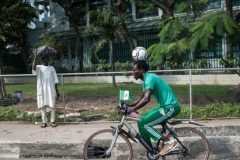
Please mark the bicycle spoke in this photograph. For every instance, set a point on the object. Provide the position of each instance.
(97, 145)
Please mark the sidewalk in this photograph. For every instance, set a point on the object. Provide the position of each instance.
(18, 139)
(72, 133)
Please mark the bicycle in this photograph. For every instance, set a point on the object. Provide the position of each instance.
(115, 142)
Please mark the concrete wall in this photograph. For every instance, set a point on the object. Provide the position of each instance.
(225, 79)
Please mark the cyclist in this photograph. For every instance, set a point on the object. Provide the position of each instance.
(167, 108)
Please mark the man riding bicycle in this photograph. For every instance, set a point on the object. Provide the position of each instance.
(167, 108)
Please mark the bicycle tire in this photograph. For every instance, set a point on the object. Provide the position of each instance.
(96, 145)
(196, 143)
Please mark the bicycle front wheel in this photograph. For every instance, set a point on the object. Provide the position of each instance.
(98, 143)
(195, 145)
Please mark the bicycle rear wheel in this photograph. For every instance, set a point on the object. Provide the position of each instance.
(98, 143)
(195, 142)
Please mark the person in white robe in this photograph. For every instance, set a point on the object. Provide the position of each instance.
(47, 91)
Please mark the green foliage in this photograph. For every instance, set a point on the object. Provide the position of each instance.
(198, 63)
(191, 32)
(103, 66)
(113, 115)
(172, 52)
(191, 6)
(13, 114)
(172, 30)
(107, 25)
(217, 111)
(212, 25)
(15, 16)
(23, 116)
(210, 111)
(9, 69)
(7, 114)
(172, 46)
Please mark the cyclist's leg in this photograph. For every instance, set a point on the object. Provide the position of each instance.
(147, 130)
(143, 120)
(153, 117)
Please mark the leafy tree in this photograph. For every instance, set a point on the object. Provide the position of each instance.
(15, 16)
(191, 32)
(107, 27)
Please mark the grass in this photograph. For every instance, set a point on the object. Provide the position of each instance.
(107, 90)
(210, 111)
(206, 110)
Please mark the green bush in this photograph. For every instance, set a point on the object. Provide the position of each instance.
(11, 114)
(7, 114)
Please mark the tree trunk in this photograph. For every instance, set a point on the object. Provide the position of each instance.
(229, 10)
(24, 51)
(112, 62)
(166, 6)
(3, 91)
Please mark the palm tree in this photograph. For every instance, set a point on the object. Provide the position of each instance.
(107, 27)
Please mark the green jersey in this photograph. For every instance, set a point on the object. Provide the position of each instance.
(161, 91)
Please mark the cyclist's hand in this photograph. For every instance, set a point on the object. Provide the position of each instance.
(130, 109)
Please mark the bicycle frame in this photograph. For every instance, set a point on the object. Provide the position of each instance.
(132, 134)
(127, 132)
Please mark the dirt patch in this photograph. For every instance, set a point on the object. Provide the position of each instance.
(72, 105)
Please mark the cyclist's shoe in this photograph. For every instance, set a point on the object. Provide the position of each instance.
(168, 146)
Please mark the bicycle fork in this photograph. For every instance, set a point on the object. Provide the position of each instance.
(115, 136)
(114, 139)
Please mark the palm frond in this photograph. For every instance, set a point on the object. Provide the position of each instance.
(98, 45)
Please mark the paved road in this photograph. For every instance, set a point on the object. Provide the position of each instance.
(27, 134)
(71, 133)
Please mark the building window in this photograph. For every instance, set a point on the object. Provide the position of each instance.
(236, 3)
(213, 4)
(145, 9)
(96, 4)
(126, 6)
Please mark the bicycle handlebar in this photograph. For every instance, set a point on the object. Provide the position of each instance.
(124, 108)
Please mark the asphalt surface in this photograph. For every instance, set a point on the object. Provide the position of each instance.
(22, 132)
(74, 133)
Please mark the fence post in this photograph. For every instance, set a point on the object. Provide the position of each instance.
(190, 93)
(63, 98)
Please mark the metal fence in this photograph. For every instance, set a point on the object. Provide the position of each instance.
(95, 93)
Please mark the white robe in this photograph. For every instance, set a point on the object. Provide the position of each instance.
(46, 80)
